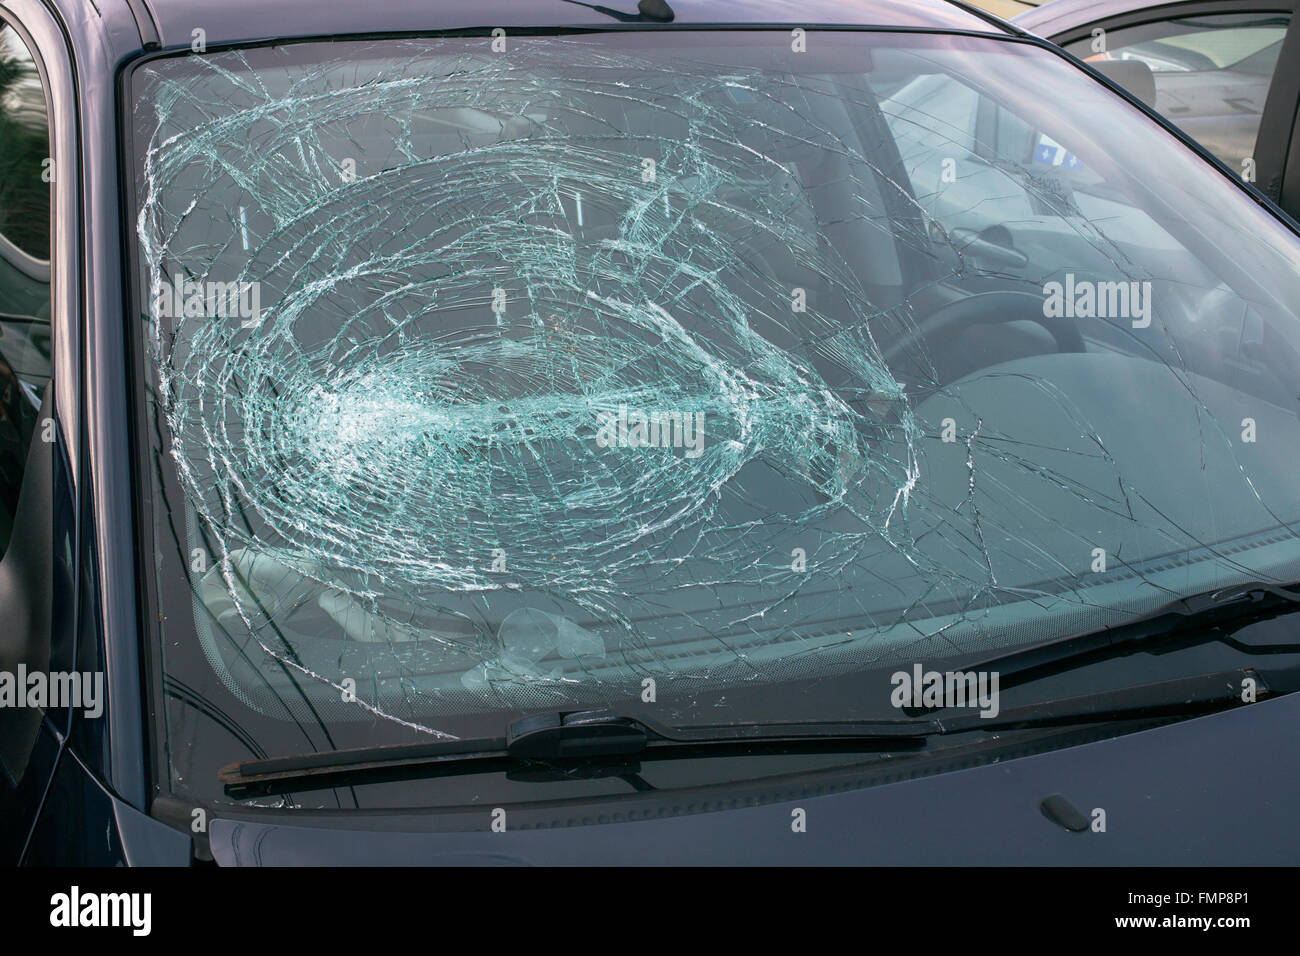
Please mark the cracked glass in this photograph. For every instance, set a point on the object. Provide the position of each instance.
(598, 371)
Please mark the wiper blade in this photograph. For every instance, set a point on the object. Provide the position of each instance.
(1177, 697)
(1193, 619)
(570, 736)
(604, 733)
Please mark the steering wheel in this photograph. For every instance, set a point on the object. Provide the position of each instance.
(990, 308)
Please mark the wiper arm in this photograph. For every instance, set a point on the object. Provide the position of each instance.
(572, 737)
(1177, 697)
(657, 10)
(1193, 618)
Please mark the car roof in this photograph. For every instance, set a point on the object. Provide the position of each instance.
(1058, 16)
(233, 21)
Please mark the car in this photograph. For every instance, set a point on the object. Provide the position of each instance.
(1004, 8)
(563, 433)
(1225, 71)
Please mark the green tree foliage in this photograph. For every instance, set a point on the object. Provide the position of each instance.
(24, 147)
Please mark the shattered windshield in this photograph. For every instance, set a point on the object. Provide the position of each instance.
(486, 375)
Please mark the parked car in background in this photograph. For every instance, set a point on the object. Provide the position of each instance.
(1225, 71)
(1004, 8)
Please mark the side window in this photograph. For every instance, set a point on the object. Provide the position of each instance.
(980, 164)
(931, 115)
(26, 180)
(1211, 73)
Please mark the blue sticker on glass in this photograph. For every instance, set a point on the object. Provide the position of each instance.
(1048, 152)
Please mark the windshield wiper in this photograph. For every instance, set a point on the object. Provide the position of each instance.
(585, 742)
(579, 736)
(656, 10)
(1206, 617)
